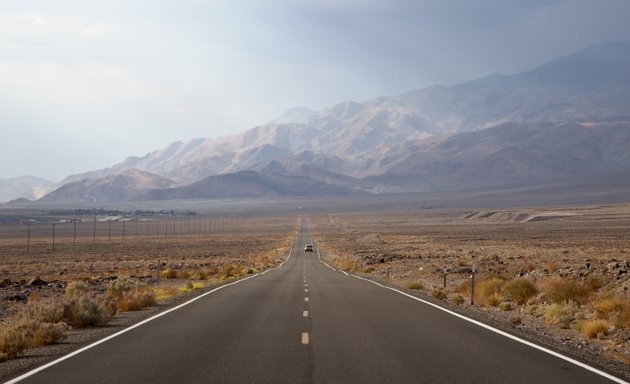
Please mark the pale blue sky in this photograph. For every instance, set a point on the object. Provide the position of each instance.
(84, 84)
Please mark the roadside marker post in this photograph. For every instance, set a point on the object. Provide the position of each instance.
(472, 286)
(445, 273)
(158, 272)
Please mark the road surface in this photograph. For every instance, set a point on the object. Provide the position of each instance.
(306, 323)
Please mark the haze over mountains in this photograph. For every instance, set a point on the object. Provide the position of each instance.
(566, 118)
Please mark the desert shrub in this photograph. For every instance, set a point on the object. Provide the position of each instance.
(345, 265)
(76, 289)
(130, 294)
(121, 286)
(520, 290)
(46, 311)
(439, 293)
(493, 300)
(161, 293)
(230, 271)
(39, 333)
(458, 300)
(595, 328)
(183, 275)
(136, 300)
(202, 275)
(560, 314)
(13, 342)
(593, 284)
(28, 333)
(414, 285)
(559, 290)
(464, 288)
(516, 320)
(369, 270)
(169, 274)
(85, 311)
(505, 306)
(615, 309)
(488, 291)
(82, 309)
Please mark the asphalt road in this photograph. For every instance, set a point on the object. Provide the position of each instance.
(306, 323)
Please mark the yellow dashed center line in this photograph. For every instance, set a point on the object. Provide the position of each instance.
(306, 299)
(305, 314)
(305, 339)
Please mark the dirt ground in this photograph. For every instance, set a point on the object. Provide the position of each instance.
(588, 245)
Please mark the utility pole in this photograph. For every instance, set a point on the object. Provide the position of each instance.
(53, 233)
(94, 232)
(74, 235)
(28, 238)
(109, 230)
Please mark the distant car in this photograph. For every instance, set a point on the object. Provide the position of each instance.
(308, 248)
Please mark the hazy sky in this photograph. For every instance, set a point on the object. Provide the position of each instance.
(84, 84)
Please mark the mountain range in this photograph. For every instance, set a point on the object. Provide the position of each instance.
(566, 118)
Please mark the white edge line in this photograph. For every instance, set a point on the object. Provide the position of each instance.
(320, 259)
(94, 344)
(502, 333)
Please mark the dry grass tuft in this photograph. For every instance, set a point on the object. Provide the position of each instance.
(83, 309)
(505, 306)
(458, 300)
(595, 328)
(560, 314)
(46, 311)
(439, 294)
(560, 290)
(169, 274)
(417, 285)
(520, 290)
(130, 294)
(137, 300)
(614, 309)
(28, 333)
(489, 291)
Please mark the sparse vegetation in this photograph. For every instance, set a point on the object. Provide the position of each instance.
(416, 285)
(560, 290)
(520, 290)
(561, 315)
(439, 294)
(489, 291)
(595, 328)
